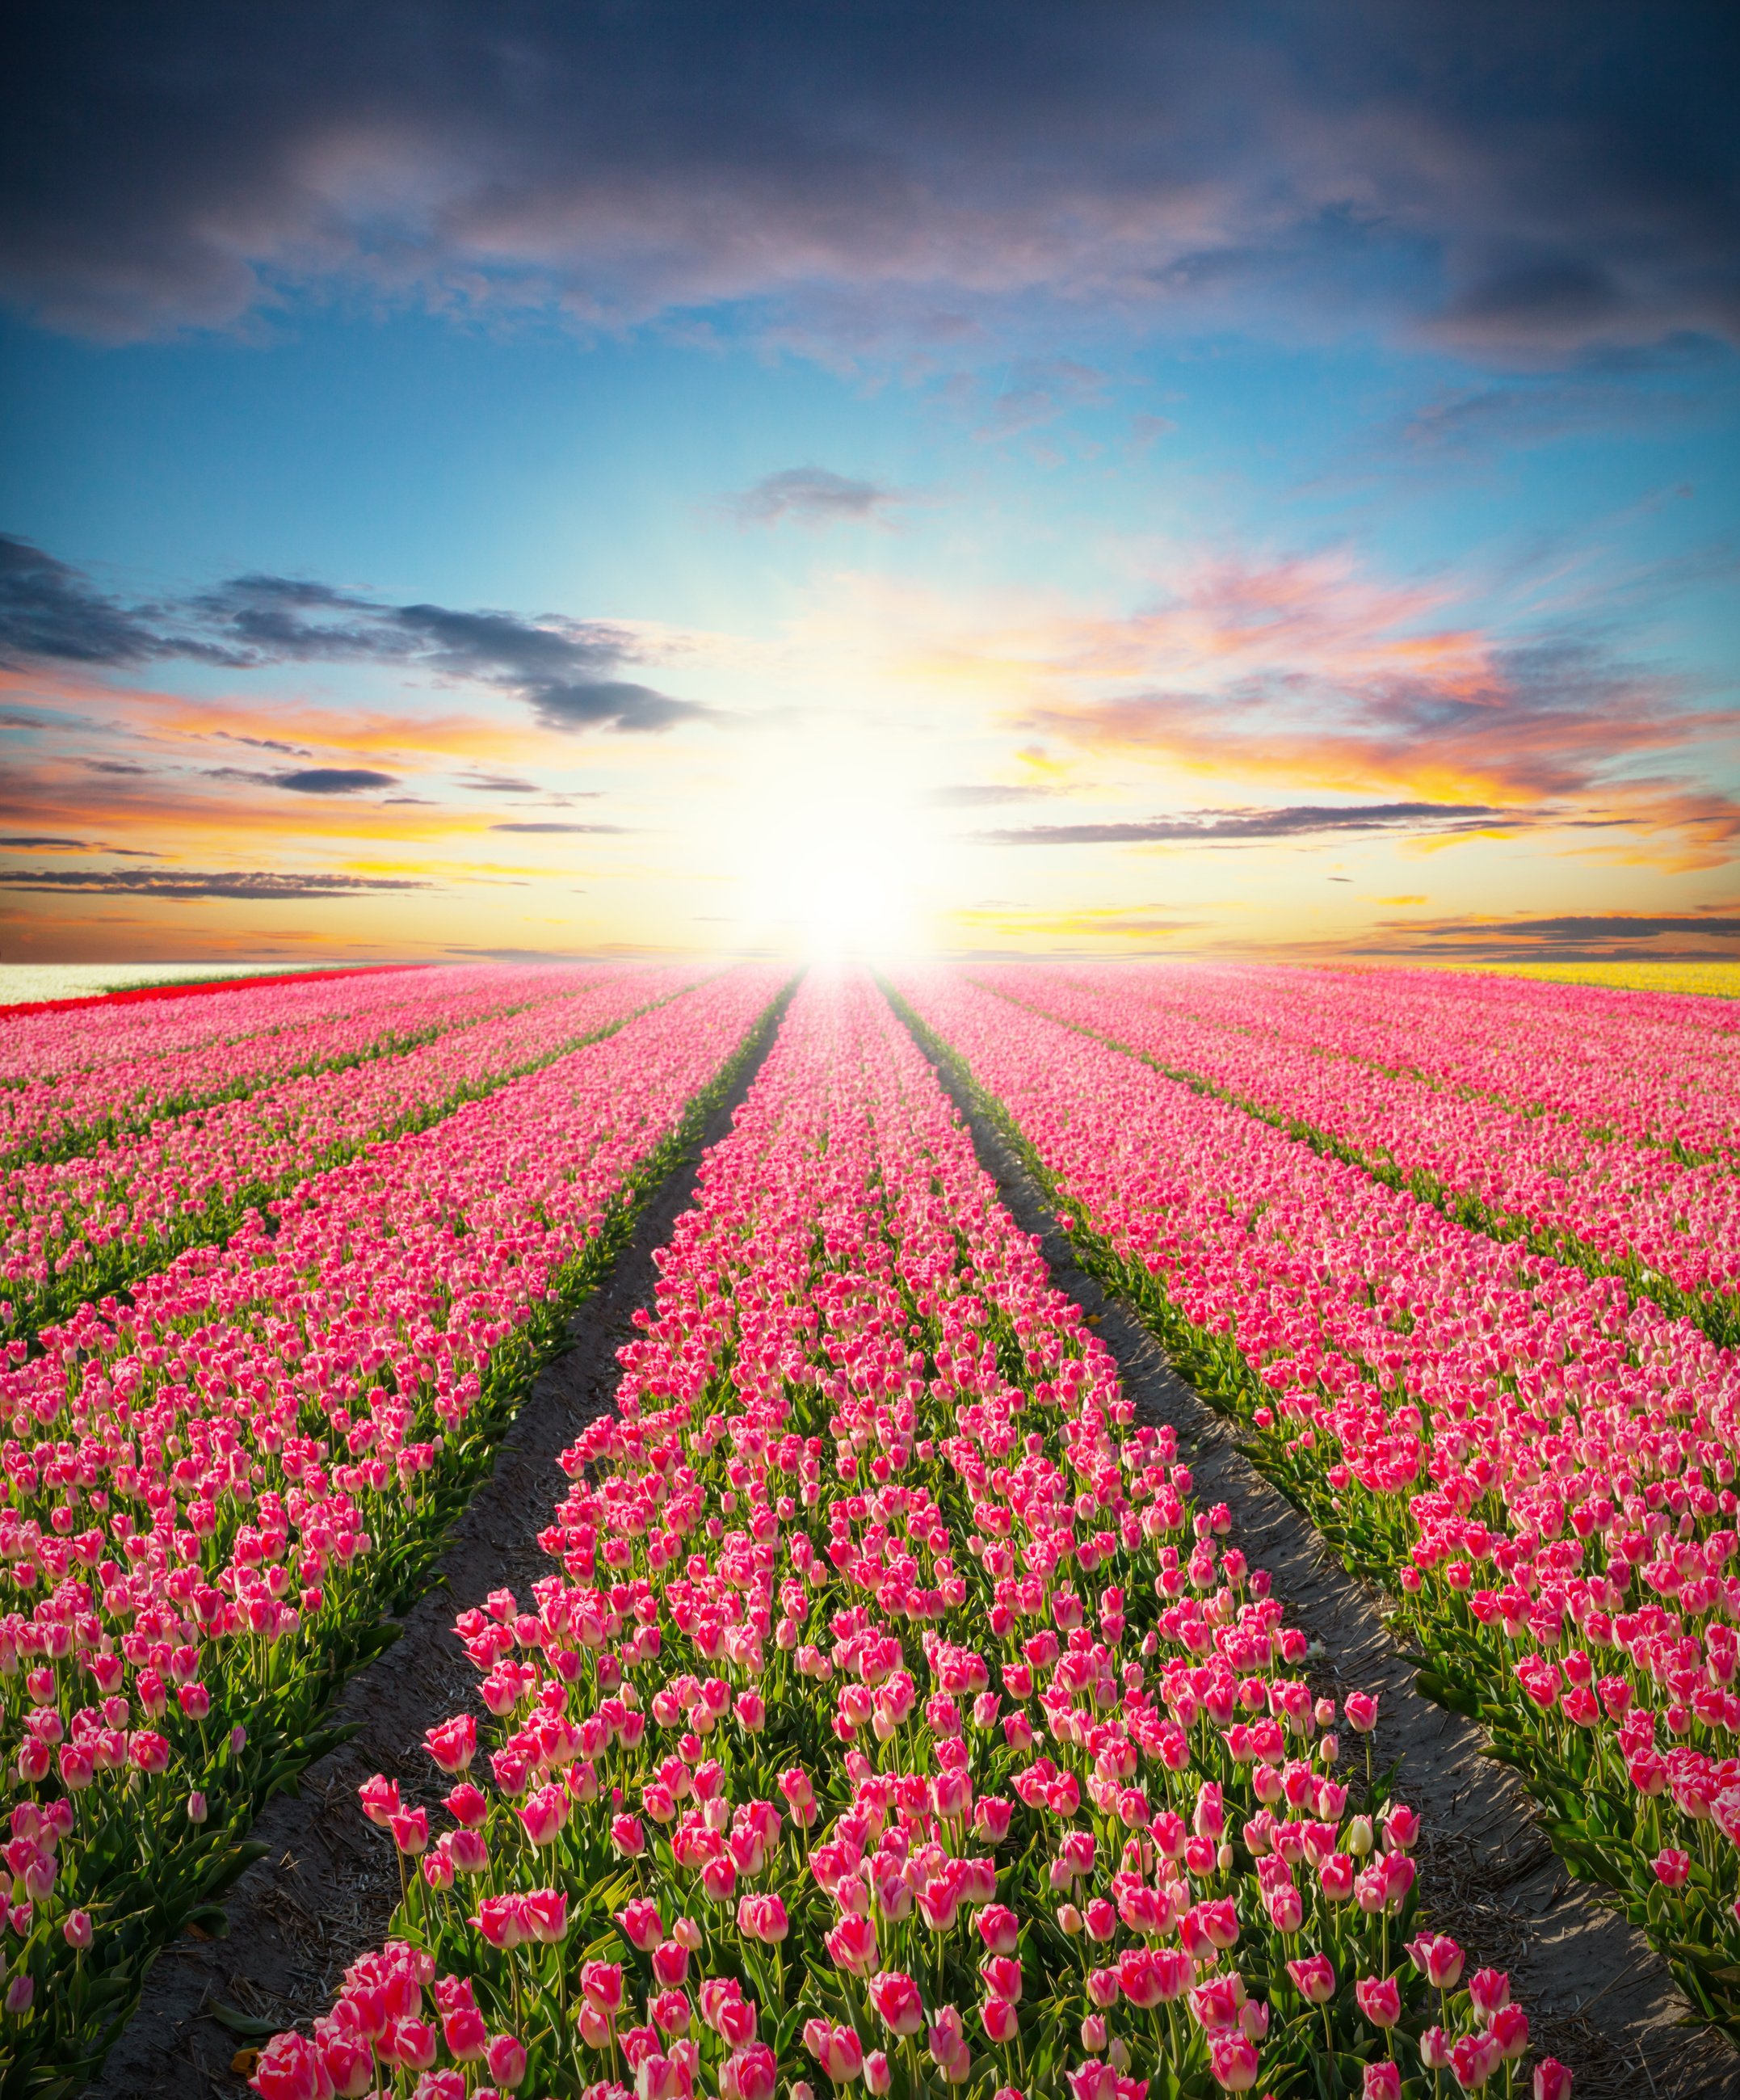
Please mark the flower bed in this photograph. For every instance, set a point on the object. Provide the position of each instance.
(213, 1496)
(1669, 1230)
(77, 1228)
(72, 1089)
(1643, 1066)
(1540, 1473)
(889, 1714)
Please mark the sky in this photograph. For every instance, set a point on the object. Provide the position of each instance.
(509, 480)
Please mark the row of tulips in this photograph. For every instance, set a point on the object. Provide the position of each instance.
(1540, 1473)
(1648, 1067)
(212, 1496)
(47, 1044)
(73, 1230)
(1670, 1230)
(59, 1113)
(890, 1716)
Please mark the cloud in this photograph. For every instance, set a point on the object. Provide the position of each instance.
(332, 780)
(308, 780)
(1037, 391)
(851, 176)
(552, 828)
(488, 783)
(1310, 673)
(1563, 936)
(258, 883)
(264, 744)
(563, 669)
(43, 842)
(813, 496)
(975, 795)
(1583, 926)
(50, 611)
(1258, 827)
(1477, 420)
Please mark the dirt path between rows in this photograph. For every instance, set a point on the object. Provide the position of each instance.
(1597, 1994)
(326, 1890)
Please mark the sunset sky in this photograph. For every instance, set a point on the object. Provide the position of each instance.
(504, 480)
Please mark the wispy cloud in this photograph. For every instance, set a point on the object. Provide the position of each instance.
(553, 829)
(1036, 391)
(814, 496)
(44, 842)
(1312, 673)
(1260, 827)
(257, 885)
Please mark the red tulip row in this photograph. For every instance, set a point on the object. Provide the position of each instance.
(211, 1495)
(72, 1229)
(889, 1714)
(1670, 1230)
(1542, 1472)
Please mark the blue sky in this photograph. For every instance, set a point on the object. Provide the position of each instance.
(1237, 482)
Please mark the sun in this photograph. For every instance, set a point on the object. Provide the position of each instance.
(832, 853)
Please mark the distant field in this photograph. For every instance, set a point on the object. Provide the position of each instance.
(21, 982)
(1720, 980)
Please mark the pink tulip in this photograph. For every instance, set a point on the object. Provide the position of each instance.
(1314, 1978)
(897, 2003)
(1379, 1999)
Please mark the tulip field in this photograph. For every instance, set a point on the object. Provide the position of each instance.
(894, 1715)
(218, 1483)
(1531, 1455)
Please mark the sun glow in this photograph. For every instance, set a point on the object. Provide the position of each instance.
(831, 852)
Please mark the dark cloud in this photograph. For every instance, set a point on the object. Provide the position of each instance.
(1573, 926)
(813, 496)
(121, 767)
(1256, 826)
(543, 828)
(265, 744)
(564, 669)
(33, 842)
(561, 667)
(1527, 182)
(333, 780)
(50, 611)
(181, 885)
